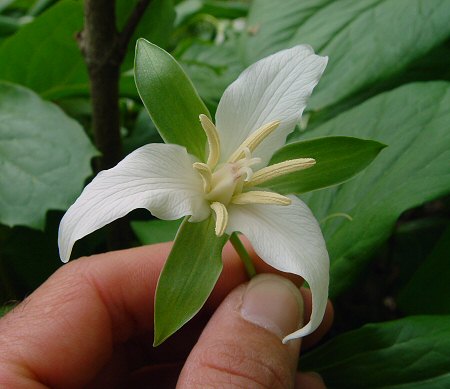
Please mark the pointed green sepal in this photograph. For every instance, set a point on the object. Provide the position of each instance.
(338, 158)
(188, 277)
(170, 98)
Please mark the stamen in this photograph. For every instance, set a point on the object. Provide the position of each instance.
(260, 197)
(254, 140)
(221, 217)
(213, 140)
(205, 172)
(280, 169)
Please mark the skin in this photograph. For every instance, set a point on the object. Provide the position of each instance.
(90, 325)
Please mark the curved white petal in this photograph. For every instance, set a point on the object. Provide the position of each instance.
(289, 239)
(157, 177)
(274, 88)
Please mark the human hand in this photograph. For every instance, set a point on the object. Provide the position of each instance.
(90, 326)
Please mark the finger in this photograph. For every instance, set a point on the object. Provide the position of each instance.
(85, 309)
(309, 381)
(88, 307)
(241, 345)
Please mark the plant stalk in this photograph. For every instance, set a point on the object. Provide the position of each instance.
(242, 252)
(104, 49)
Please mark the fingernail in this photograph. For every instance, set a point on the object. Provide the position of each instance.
(274, 303)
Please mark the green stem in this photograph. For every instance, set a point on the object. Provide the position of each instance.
(245, 257)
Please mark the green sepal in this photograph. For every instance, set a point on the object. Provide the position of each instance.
(170, 98)
(188, 277)
(338, 158)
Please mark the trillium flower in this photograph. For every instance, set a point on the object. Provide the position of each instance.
(253, 119)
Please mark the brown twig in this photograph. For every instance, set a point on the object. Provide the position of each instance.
(98, 43)
(130, 26)
(103, 49)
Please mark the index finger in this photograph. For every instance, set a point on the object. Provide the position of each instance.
(66, 331)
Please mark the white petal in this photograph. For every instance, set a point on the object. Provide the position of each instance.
(289, 239)
(274, 88)
(157, 177)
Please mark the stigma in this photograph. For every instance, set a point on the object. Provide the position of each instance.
(228, 183)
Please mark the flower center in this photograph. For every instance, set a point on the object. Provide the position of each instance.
(228, 180)
(227, 183)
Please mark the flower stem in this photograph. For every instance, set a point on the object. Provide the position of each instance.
(245, 257)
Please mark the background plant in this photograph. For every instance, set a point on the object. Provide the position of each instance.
(387, 230)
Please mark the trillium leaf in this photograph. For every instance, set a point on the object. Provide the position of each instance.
(397, 37)
(170, 98)
(407, 353)
(155, 231)
(24, 57)
(45, 157)
(155, 25)
(413, 120)
(212, 68)
(429, 287)
(338, 158)
(188, 277)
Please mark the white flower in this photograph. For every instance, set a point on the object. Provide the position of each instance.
(253, 118)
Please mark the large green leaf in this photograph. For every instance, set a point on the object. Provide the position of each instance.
(338, 158)
(408, 353)
(220, 9)
(413, 121)
(188, 277)
(143, 132)
(8, 25)
(44, 55)
(27, 266)
(409, 246)
(273, 24)
(170, 98)
(428, 291)
(155, 25)
(44, 156)
(212, 68)
(367, 40)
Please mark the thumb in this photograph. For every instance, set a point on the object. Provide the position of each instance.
(241, 345)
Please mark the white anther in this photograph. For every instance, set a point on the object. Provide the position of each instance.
(221, 217)
(254, 140)
(205, 172)
(260, 197)
(213, 140)
(280, 169)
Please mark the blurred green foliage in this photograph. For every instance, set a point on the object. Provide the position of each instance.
(387, 80)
